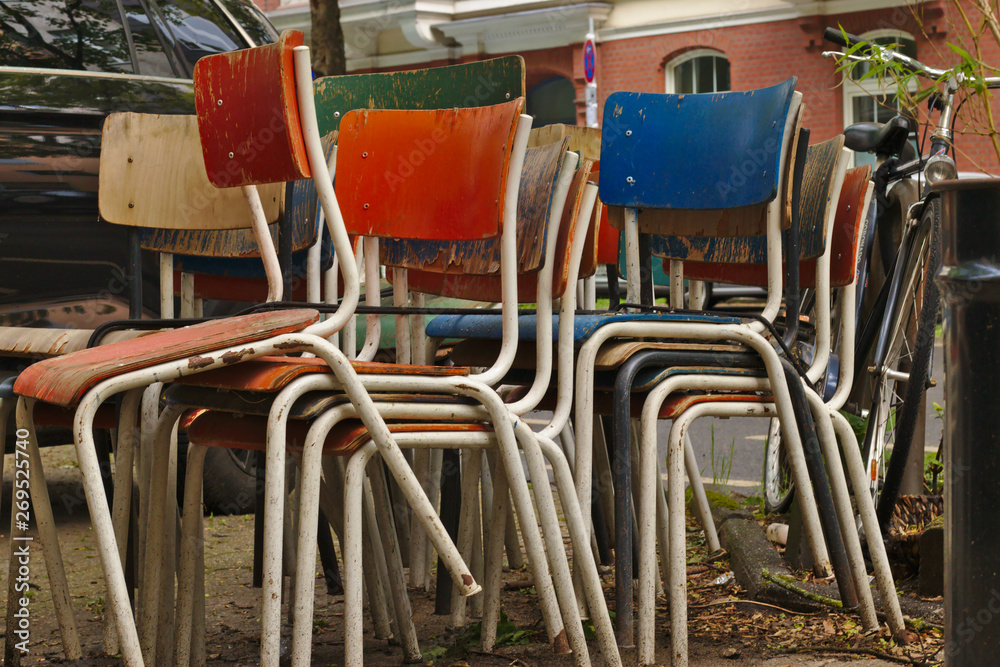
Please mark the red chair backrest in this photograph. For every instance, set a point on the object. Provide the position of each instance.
(248, 115)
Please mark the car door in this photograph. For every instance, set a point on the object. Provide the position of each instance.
(64, 66)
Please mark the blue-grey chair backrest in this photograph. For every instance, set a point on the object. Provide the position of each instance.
(708, 151)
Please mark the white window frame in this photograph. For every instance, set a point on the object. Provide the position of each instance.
(683, 58)
(870, 87)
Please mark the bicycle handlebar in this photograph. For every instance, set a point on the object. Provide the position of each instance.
(837, 37)
(848, 40)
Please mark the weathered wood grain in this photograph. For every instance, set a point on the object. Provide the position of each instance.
(583, 140)
(474, 84)
(63, 380)
(534, 205)
(815, 201)
(713, 151)
(488, 287)
(153, 175)
(248, 115)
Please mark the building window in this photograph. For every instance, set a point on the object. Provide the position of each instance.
(867, 101)
(552, 101)
(701, 71)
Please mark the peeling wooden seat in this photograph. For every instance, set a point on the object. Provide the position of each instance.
(223, 429)
(308, 407)
(64, 380)
(31, 342)
(271, 374)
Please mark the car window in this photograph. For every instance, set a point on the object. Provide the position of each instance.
(150, 47)
(198, 29)
(63, 34)
(252, 20)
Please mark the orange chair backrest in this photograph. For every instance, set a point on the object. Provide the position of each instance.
(248, 115)
(426, 174)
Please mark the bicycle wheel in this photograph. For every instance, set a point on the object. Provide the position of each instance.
(778, 486)
(898, 386)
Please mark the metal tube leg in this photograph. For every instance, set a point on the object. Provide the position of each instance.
(308, 526)
(471, 464)
(165, 627)
(418, 538)
(97, 502)
(406, 632)
(128, 437)
(677, 583)
(552, 533)
(434, 465)
(190, 545)
(700, 497)
(353, 612)
(512, 543)
(845, 513)
(576, 523)
(478, 566)
(149, 595)
(866, 508)
(47, 534)
(377, 573)
(494, 554)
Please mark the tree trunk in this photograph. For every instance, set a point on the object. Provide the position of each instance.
(327, 38)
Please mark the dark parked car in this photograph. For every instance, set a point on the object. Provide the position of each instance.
(64, 66)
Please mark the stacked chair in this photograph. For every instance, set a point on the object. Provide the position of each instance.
(448, 193)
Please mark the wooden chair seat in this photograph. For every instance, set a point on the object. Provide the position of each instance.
(31, 342)
(223, 429)
(64, 380)
(489, 325)
(271, 374)
(309, 406)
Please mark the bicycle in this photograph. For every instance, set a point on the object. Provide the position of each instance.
(897, 304)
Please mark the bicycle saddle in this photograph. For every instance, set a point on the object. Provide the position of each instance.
(881, 138)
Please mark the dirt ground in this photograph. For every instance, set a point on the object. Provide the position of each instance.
(724, 629)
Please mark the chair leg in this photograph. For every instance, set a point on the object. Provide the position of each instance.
(876, 547)
(128, 436)
(353, 612)
(495, 537)
(478, 566)
(418, 538)
(47, 534)
(97, 502)
(576, 523)
(171, 529)
(701, 505)
(552, 534)
(677, 584)
(471, 466)
(512, 543)
(845, 513)
(190, 545)
(434, 465)
(406, 632)
(376, 570)
(159, 522)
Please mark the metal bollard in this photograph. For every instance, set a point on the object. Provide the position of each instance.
(970, 286)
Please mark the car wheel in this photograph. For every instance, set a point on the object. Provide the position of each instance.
(230, 478)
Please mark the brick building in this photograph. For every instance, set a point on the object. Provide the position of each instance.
(660, 46)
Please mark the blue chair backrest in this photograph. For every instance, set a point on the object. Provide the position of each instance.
(708, 151)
